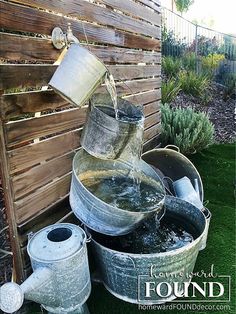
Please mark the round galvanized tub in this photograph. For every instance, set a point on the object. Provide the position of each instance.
(174, 165)
(124, 274)
(95, 213)
(105, 137)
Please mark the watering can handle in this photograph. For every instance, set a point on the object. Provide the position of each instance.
(173, 147)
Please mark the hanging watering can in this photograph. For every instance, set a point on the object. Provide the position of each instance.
(78, 75)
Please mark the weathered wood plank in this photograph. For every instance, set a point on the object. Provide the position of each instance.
(91, 12)
(152, 143)
(155, 5)
(15, 104)
(8, 201)
(41, 22)
(41, 175)
(126, 72)
(152, 132)
(28, 129)
(24, 130)
(151, 108)
(50, 216)
(35, 153)
(20, 75)
(145, 97)
(12, 105)
(19, 47)
(152, 120)
(135, 9)
(42, 198)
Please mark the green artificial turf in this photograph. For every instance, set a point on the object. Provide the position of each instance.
(216, 167)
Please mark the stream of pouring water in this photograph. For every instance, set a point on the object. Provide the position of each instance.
(111, 88)
(134, 172)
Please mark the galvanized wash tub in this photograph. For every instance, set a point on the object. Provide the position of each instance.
(124, 274)
(174, 165)
(95, 213)
(105, 137)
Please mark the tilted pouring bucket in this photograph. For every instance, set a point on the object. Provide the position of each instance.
(78, 75)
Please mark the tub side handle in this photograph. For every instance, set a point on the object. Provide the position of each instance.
(124, 258)
(173, 147)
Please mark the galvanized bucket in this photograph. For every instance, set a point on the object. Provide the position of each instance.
(174, 165)
(207, 215)
(124, 274)
(184, 189)
(95, 213)
(106, 137)
(78, 75)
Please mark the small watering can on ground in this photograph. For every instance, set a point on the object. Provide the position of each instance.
(78, 75)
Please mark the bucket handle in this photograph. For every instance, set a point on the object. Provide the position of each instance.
(125, 257)
(173, 147)
(88, 234)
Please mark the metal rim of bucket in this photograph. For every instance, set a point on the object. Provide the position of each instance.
(176, 149)
(112, 119)
(161, 254)
(117, 208)
(71, 227)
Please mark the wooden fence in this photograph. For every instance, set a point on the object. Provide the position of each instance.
(40, 131)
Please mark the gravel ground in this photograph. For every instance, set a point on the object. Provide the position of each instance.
(220, 112)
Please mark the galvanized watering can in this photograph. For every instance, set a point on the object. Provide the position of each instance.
(106, 137)
(78, 75)
(124, 274)
(95, 213)
(60, 280)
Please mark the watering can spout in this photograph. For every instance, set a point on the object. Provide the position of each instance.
(12, 295)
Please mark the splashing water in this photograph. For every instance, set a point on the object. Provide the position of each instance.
(120, 191)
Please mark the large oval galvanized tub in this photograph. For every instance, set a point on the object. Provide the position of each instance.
(95, 213)
(174, 165)
(124, 274)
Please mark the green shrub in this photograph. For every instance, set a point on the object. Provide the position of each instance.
(185, 128)
(193, 84)
(171, 66)
(189, 61)
(169, 90)
(211, 62)
(230, 86)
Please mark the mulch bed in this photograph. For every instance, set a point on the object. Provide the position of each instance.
(220, 112)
